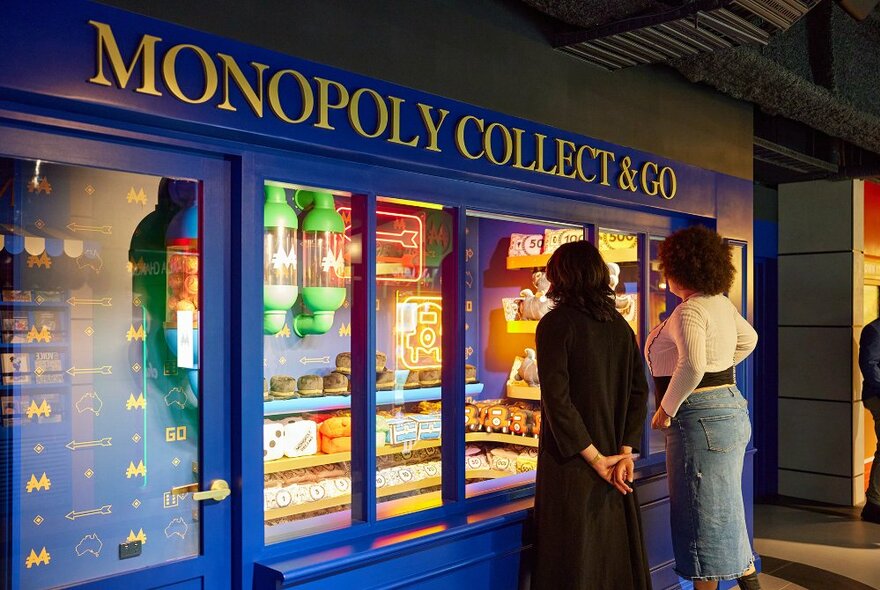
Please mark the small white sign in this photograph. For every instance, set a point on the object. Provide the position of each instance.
(186, 344)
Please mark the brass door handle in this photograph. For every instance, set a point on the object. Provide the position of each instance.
(218, 492)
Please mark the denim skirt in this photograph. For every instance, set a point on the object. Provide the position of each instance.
(705, 448)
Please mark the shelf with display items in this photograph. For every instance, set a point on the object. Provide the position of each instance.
(341, 402)
(306, 461)
(500, 438)
(324, 503)
(522, 326)
(535, 250)
(526, 392)
(522, 382)
(527, 262)
(383, 492)
(523, 313)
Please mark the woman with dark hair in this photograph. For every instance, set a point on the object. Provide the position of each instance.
(692, 356)
(593, 396)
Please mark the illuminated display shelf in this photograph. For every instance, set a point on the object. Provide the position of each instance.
(411, 486)
(327, 459)
(340, 402)
(522, 326)
(537, 261)
(523, 392)
(292, 510)
(487, 474)
(497, 437)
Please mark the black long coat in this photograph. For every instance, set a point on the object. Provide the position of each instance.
(593, 391)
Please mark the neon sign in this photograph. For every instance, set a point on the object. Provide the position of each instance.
(401, 245)
(418, 331)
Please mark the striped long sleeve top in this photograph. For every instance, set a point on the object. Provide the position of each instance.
(704, 334)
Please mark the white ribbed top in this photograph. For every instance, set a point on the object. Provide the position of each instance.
(704, 334)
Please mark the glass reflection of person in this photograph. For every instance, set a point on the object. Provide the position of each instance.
(692, 356)
(869, 363)
(593, 401)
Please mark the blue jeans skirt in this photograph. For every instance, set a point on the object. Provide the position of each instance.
(705, 448)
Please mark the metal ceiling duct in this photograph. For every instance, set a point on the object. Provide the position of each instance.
(696, 27)
(783, 157)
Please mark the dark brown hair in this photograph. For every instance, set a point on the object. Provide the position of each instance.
(579, 277)
(699, 259)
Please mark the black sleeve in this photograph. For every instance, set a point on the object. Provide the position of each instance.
(553, 340)
(637, 407)
(869, 356)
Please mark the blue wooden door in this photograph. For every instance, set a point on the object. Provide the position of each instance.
(114, 351)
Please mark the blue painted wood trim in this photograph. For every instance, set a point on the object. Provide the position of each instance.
(644, 250)
(363, 363)
(248, 428)
(286, 572)
(453, 374)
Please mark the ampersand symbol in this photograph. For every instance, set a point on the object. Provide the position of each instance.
(627, 178)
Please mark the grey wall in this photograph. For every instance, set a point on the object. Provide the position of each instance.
(821, 261)
(491, 53)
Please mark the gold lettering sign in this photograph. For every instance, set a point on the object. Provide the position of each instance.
(294, 99)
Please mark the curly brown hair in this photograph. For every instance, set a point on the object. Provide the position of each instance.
(579, 277)
(699, 259)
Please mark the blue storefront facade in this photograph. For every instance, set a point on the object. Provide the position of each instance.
(138, 158)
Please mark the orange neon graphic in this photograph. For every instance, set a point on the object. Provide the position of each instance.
(407, 233)
(418, 331)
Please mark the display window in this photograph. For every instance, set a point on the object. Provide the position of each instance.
(661, 302)
(412, 240)
(307, 360)
(622, 255)
(99, 350)
(506, 288)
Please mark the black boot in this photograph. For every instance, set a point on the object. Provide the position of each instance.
(871, 512)
(749, 582)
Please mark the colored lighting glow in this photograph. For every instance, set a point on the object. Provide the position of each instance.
(409, 535)
(396, 229)
(418, 331)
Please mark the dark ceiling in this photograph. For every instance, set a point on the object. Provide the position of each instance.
(816, 86)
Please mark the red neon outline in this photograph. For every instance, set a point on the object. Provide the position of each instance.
(417, 239)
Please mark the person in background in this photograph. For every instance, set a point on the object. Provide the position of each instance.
(692, 356)
(593, 403)
(869, 363)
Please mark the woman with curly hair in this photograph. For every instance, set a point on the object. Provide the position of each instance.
(593, 401)
(692, 356)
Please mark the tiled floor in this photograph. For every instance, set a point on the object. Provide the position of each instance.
(816, 547)
(769, 582)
